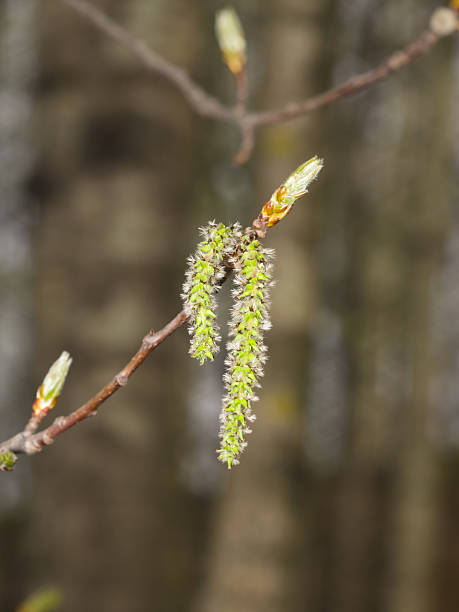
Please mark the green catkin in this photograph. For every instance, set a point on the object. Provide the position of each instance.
(246, 351)
(224, 248)
(205, 270)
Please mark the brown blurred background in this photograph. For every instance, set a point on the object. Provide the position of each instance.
(347, 498)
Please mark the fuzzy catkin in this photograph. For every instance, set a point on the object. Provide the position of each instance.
(205, 270)
(246, 350)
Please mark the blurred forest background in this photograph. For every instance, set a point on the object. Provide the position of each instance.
(347, 497)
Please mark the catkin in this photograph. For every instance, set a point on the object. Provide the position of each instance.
(246, 350)
(205, 270)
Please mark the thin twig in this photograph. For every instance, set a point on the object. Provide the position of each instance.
(33, 423)
(247, 142)
(242, 91)
(351, 87)
(25, 442)
(246, 125)
(202, 102)
(209, 106)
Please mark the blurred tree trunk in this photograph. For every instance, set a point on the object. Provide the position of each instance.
(113, 525)
(251, 565)
(385, 504)
(18, 48)
(446, 391)
(417, 501)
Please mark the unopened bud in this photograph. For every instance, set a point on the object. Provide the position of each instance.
(282, 200)
(51, 388)
(231, 39)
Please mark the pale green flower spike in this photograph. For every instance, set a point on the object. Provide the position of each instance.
(202, 281)
(282, 200)
(231, 39)
(51, 387)
(246, 351)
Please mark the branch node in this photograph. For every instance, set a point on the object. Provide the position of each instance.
(147, 342)
(47, 439)
(122, 379)
(31, 446)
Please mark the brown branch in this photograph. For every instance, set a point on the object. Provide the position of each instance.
(29, 443)
(353, 86)
(246, 125)
(247, 142)
(202, 102)
(242, 91)
(443, 23)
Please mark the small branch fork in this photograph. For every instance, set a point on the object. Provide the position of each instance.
(443, 23)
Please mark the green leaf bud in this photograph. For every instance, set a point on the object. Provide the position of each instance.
(231, 40)
(52, 385)
(282, 200)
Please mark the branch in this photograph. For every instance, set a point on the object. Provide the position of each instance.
(30, 444)
(352, 86)
(443, 22)
(247, 128)
(202, 102)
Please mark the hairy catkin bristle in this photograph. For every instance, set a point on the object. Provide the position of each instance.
(205, 270)
(246, 351)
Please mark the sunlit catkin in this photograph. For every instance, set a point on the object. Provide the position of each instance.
(246, 351)
(205, 270)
